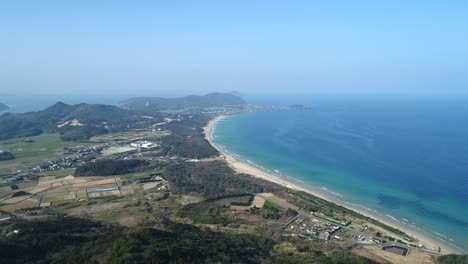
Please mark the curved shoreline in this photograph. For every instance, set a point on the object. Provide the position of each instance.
(241, 166)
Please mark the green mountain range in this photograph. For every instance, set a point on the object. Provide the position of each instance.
(74, 122)
(193, 101)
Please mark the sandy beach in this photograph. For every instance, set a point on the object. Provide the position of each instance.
(244, 167)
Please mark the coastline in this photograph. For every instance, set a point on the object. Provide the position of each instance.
(241, 166)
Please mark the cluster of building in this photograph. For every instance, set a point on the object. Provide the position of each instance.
(82, 150)
(143, 144)
(154, 181)
(150, 179)
(73, 157)
(127, 147)
(314, 229)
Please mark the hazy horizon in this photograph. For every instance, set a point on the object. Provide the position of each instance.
(173, 49)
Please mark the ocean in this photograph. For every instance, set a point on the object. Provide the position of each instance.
(28, 103)
(405, 158)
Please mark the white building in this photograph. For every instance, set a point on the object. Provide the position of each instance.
(143, 144)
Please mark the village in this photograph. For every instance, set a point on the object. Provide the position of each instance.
(76, 156)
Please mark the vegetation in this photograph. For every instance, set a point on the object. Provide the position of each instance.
(20, 193)
(336, 257)
(71, 240)
(109, 167)
(152, 104)
(5, 155)
(81, 133)
(93, 119)
(213, 179)
(453, 259)
(61, 173)
(12, 183)
(206, 213)
(33, 150)
(187, 139)
(272, 206)
(246, 201)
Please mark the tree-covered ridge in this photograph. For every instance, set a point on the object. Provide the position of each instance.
(72, 240)
(187, 138)
(74, 122)
(453, 259)
(192, 101)
(213, 179)
(109, 167)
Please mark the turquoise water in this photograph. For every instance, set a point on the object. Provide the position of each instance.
(407, 158)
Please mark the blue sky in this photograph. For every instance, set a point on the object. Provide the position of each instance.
(178, 47)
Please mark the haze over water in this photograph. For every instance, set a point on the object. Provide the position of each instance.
(404, 158)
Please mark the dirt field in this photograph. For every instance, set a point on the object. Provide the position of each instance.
(51, 181)
(129, 136)
(188, 199)
(15, 199)
(258, 202)
(127, 190)
(116, 150)
(95, 183)
(151, 185)
(28, 203)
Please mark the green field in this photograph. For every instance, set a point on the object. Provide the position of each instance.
(272, 206)
(44, 147)
(54, 197)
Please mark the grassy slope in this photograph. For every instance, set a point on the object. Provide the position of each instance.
(272, 206)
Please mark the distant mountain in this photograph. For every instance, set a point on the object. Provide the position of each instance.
(236, 93)
(3, 107)
(192, 101)
(74, 122)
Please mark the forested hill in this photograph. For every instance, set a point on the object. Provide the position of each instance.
(3, 107)
(192, 101)
(72, 121)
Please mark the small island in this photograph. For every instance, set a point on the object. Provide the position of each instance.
(3, 107)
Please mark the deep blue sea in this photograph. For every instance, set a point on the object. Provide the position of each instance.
(406, 158)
